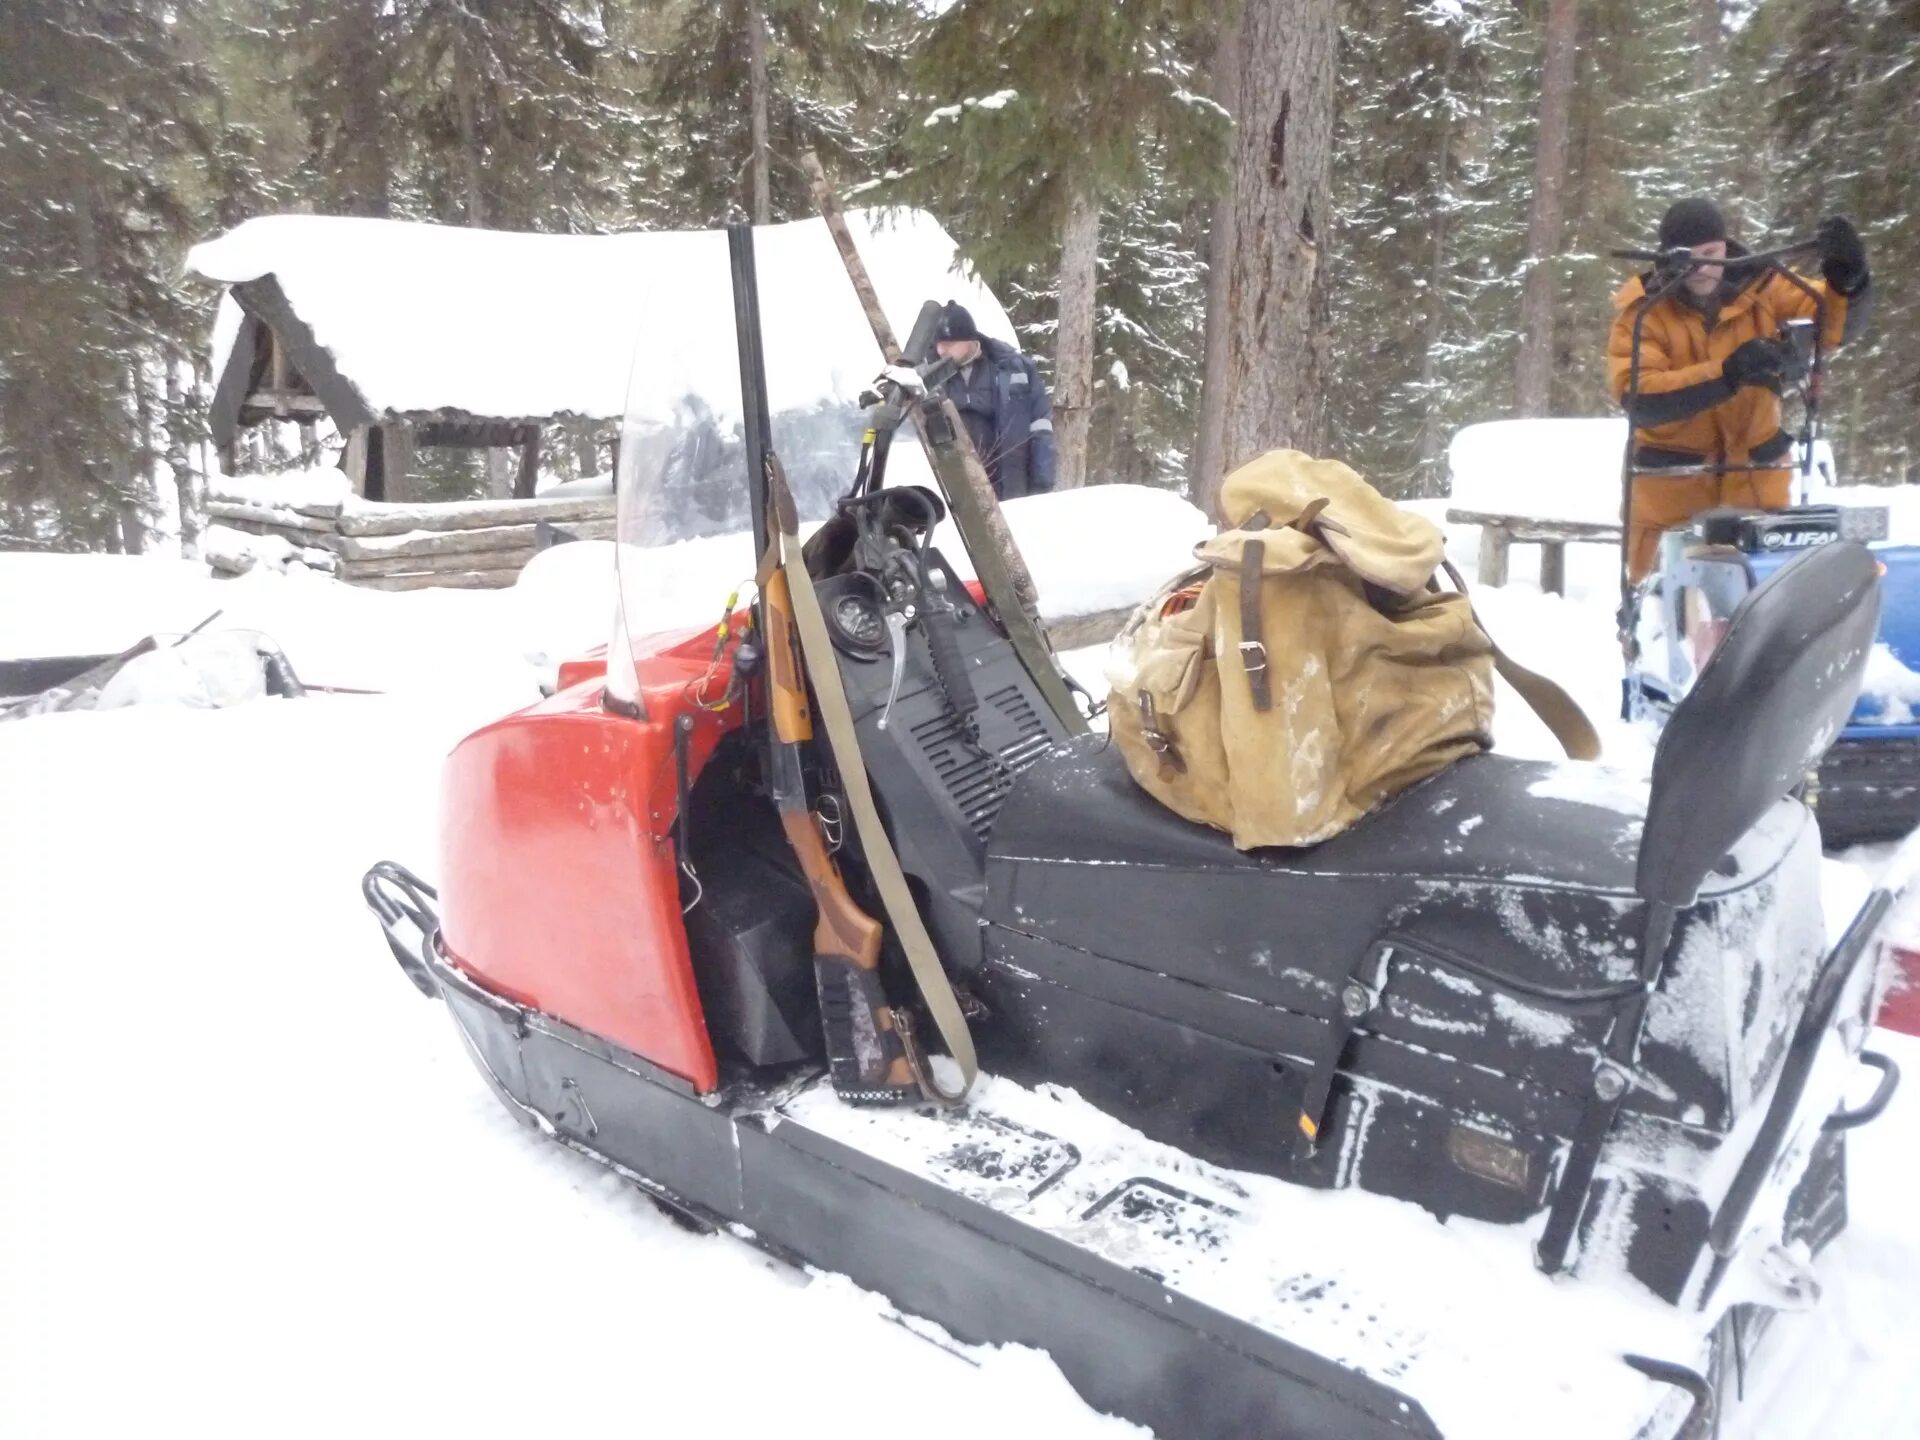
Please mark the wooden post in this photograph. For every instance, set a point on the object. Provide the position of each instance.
(1553, 566)
(1494, 540)
(376, 472)
(281, 381)
(524, 483)
(354, 461)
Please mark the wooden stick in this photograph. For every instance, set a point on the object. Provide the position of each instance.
(981, 487)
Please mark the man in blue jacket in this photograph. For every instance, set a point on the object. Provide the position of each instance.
(1003, 402)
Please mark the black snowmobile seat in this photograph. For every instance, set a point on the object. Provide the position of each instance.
(1535, 873)
(1527, 868)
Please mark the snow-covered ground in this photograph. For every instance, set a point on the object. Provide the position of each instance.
(253, 1184)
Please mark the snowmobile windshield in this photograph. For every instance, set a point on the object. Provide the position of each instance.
(684, 530)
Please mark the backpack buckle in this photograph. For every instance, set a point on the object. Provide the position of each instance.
(1158, 741)
(1253, 656)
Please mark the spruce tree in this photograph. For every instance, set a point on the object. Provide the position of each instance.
(745, 87)
(1847, 131)
(102, 112)
(477, 112)
(1036, 119)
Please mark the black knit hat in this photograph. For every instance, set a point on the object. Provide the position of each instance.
(956, 323)
(1691, 222)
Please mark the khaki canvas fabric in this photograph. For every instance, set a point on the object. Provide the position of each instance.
(1374, 680)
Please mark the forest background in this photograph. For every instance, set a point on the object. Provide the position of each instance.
(1351, 226)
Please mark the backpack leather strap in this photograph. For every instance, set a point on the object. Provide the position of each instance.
(1253, 648)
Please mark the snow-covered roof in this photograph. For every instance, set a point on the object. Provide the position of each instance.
(424, 318)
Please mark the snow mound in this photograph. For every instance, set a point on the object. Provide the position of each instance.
(1569, 469)
(1106, 547)
(322, 488)
(210, 671)
(1892, 685)
(552, 487)
(1091, 552)
(1549, 469)
(238, 551)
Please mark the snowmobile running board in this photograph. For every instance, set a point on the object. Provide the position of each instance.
(792, 1171)
(1170, 1292)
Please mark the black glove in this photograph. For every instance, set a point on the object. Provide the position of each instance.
(1757, 362)
(1843, 259)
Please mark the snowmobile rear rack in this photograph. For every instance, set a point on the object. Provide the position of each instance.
(1699, 1424)
(1876, 1103)
(1816, 1020)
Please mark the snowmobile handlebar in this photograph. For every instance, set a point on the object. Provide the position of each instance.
(1681, 258)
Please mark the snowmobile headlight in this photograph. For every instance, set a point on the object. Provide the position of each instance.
(1488, 1156)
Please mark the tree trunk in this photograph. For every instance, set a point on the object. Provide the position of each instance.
(1207, 470)
(185, 492)
(528, 477)
(762, 162)
(129, 467)
(146, 455)
(469, 142)
(1533, 366)
(1073, 344)
(1277, 342)
(1708, 41)
(365, 184)
(1432, 430)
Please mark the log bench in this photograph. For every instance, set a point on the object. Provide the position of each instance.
(1499, 532)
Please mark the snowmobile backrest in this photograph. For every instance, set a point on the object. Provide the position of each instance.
(1766, 706)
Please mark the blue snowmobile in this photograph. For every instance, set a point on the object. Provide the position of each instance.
(1867, 785)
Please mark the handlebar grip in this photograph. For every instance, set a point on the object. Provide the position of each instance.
(947, 662)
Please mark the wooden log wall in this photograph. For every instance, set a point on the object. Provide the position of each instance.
(480, 544)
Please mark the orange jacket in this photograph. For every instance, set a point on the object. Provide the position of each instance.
(1677, 351)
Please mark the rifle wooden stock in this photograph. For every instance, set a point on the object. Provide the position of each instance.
(843, 929)
(786, 679)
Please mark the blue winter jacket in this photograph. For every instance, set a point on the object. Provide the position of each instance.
(1004, 404)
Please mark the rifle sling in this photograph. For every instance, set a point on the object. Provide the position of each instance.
(843, 744)
(1557, 710)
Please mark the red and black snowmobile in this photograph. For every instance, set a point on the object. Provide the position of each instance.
(688, 906)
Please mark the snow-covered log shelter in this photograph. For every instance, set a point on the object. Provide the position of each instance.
(409, 335)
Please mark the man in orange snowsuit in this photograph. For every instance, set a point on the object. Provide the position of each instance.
(1712, 361)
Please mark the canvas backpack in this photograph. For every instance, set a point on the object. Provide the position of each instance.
(1310, 667)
